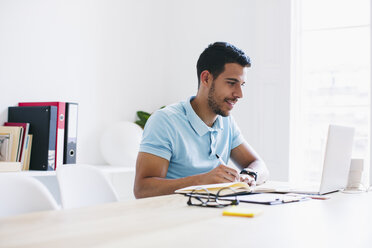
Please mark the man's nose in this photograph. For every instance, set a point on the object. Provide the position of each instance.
(238, 93)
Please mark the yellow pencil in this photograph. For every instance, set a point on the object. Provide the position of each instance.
(240, 211)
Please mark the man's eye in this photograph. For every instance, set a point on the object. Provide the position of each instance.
(231, 83)
(243, 84)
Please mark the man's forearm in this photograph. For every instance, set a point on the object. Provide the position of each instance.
(156, 186)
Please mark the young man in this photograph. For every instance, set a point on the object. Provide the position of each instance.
(181, 141)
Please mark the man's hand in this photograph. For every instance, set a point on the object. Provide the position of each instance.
(244, 156)
(221, 174)
(248, 179)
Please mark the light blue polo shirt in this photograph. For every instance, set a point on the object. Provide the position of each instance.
(177, 134)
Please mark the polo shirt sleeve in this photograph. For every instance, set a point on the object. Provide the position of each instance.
(237, 137)
(157, 136)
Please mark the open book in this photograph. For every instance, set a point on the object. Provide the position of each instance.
(238, 187)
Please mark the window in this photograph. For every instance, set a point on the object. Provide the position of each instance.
(331, 81)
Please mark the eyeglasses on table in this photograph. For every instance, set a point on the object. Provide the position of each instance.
(201, 197)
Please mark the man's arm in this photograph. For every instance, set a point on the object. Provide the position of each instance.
(151, 171)
(245, 157)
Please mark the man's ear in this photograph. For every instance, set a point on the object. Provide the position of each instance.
(206, 78)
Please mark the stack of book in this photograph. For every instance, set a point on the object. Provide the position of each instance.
(50, 128)
(15, 146)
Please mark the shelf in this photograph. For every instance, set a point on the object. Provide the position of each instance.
(34, 173)
(105, 168)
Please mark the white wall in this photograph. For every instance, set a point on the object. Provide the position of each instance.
(105, 55)
(117, 57)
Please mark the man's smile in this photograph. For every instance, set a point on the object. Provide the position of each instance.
(231, 102)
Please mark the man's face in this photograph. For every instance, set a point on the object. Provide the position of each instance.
(226, 89)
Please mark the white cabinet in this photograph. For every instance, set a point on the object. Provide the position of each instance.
(121, 177)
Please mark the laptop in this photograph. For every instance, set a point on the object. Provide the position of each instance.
(336, 164)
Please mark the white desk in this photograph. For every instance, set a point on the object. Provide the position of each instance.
(345, 220)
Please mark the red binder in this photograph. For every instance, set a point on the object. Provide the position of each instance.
(60, 136)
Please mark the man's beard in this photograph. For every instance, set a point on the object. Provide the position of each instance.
(213, 104)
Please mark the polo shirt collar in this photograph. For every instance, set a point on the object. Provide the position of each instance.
(197, 124)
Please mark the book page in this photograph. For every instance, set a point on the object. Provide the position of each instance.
(213, 188)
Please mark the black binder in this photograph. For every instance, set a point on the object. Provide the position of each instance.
(71, 123)
(43, 127)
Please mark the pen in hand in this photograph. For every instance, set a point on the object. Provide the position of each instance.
(223, 163)
(250, 182)
(220, 159)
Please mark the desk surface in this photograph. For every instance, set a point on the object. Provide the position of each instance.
(167, 221)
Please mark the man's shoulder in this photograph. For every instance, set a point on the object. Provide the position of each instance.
(170, 115)
(172, 111)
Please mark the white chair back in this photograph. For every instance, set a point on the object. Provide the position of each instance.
(84, 185)
(23, 194)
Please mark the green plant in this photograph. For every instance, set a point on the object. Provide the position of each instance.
(143, 117)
